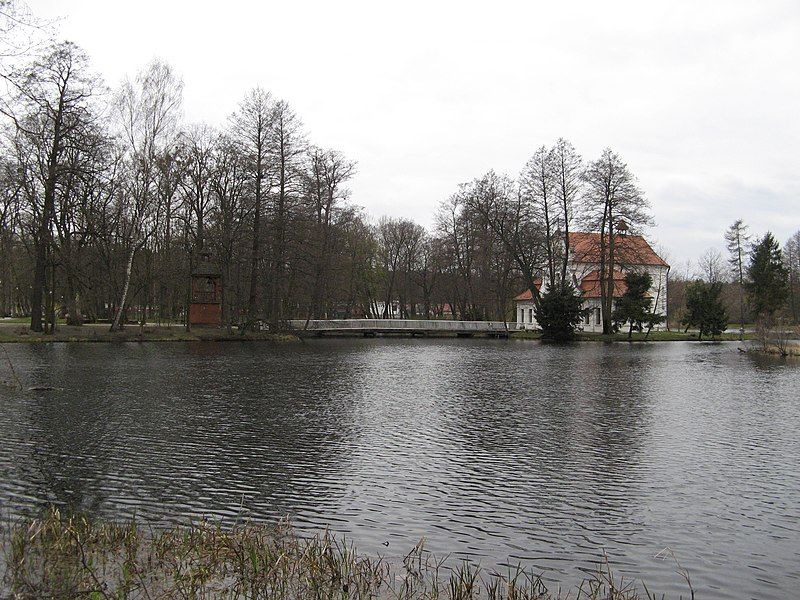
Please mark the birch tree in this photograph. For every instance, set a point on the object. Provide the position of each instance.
(148, 111)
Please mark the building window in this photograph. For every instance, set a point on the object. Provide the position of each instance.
(530, 315)
(597, 316)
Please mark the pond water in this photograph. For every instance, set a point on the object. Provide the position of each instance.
(502, 452)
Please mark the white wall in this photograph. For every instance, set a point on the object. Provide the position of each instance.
(658, 292)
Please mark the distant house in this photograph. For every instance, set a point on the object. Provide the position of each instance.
(631, 253)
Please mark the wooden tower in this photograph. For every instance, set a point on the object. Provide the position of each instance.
(205, 308)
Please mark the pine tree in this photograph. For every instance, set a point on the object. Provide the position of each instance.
(559, 313)
(633, 307)
(767, 283)
(704, 309)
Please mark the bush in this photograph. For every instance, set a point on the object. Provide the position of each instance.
(704, 308)
(559, 313)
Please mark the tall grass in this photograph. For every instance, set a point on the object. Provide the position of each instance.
(60, 556)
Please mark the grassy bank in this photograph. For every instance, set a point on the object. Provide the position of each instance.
(15, 333)
(655, 336)
(66, 557)
(19, 333)
(786, 351)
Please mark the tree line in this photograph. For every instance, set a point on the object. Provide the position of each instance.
(758, 283)
(109, 199)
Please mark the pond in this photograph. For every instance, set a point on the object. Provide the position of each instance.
(501, 452)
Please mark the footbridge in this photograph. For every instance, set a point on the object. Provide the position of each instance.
(373, 327)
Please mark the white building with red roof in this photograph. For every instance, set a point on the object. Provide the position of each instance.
(631, 253)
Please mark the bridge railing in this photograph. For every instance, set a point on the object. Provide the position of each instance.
(403, 325)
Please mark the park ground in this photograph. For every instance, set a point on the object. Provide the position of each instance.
(16, 330)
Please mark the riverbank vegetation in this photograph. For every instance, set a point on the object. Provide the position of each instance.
(149, 333)
(70, 557)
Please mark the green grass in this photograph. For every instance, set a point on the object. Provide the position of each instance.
(70, 557)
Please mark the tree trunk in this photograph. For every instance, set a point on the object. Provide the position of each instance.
(254, 256)
(74, 316)
(43, 241)
(117, 325)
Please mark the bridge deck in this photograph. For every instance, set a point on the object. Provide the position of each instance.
(410, 326)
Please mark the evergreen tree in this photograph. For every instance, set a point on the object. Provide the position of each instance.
(737, 241)
(559, 313)
(767, 283)
(633, 307)
(704, 308)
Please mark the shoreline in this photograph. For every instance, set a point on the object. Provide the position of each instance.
(18, 333)
(88, 334)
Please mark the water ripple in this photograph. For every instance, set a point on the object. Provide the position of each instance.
(497, 452)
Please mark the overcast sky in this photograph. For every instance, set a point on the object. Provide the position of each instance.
(701, 99)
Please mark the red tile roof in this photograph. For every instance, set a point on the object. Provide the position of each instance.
(628, 249)
(590, 285)
(527, 294)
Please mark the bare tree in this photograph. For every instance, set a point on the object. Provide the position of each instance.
(459, 228)
(328, 173)
(21, 34)
(791, 255)
(80, 199)
(229, 178)
(711, 266)
(538, 201)
(11, 200)
(251, 129)
(148, 110)
(50, 114)
(287, 147)
(413, 239)
(519, 222)
(566, 172)
(428, 270)
(612, 197)
(392, 236)
(198, 145)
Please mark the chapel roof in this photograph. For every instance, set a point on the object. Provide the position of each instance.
(628, 249)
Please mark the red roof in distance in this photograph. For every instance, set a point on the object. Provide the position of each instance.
(527, 294)
(590, 285)
(628, 249)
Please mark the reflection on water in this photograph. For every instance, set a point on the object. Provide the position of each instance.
(499, 452)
